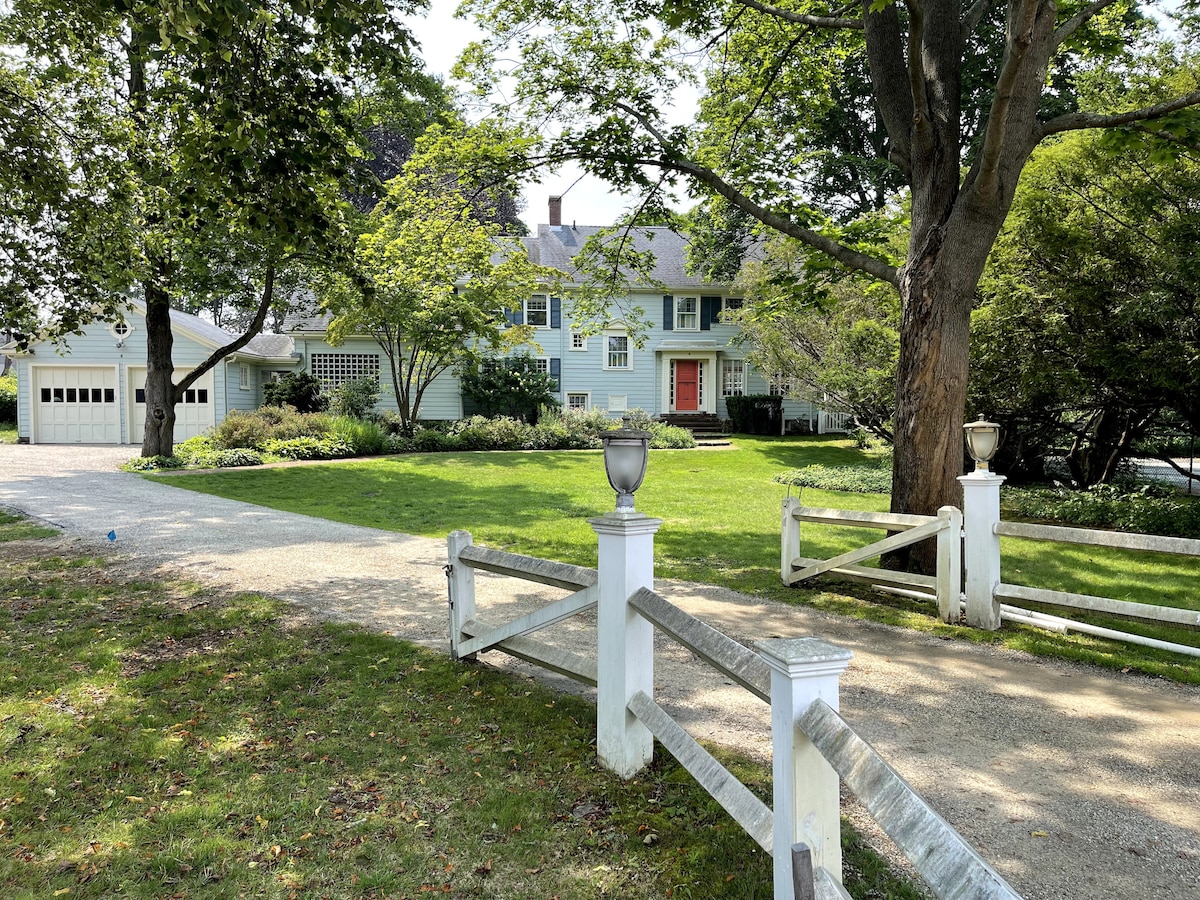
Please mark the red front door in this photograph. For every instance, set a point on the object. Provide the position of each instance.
(687, 385)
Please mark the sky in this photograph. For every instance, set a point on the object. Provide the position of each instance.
(586, 200)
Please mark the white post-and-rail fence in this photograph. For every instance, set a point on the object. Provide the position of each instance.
(944, 588)
(812, 745)
(968, 564)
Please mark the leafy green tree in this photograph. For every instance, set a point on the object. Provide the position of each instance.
(1089, 332)
(511, 387)
(603, 71)
(433, 279)
(226, 133)
(356, 398)
(297, 389)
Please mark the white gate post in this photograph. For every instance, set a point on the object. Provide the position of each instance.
(625, 641)
(790, 539)
(981, 513)
(949, 564)
(806, 801)
(461, 581)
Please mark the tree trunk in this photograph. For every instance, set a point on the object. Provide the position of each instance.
(931, 391)
(159, 437)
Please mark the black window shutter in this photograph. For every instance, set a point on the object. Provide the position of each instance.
(514, 316)
(555, 370)
(710, 311)
(556, 312)
(668, 312)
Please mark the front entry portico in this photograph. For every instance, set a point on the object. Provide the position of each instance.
(687, 370)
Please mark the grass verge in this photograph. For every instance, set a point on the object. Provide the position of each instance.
(159, 740)
(8, 433)
(721, 526)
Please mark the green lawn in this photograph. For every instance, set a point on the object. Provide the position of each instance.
(721, 525)
(159, 739)
(8, 432)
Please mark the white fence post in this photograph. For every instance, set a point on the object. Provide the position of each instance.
(807, 807)
(949, 564)
(981, 512)
(461, 580)
(790, 542)
(625, 640)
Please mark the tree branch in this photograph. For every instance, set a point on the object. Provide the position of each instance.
(974, 16)
(1077, 21)
(260, 316)
(800, 19)
(996, 132)
(916, 69)
(1079, 121)
(848, 257)
(853, 259)
(885, 61)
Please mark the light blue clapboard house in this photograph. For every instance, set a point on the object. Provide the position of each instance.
(90, 390)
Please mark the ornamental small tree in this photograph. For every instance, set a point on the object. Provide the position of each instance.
(509, 387)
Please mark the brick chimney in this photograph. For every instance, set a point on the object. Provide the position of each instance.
(555, 212)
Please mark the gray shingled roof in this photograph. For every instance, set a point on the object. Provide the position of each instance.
(266, 346)
(555, 246)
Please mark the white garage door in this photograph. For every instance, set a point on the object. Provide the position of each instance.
(76, 405)
(193, 414)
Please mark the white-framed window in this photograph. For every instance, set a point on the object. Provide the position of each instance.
(731, 304)
(537, 312)
(541, 365)
(618, 402)
(733, 378)
(578, 340)
(120, 330)
(244, 378)
(332, 369)
(779, 386)
(580, 401)
(617, 351)
(687, 313)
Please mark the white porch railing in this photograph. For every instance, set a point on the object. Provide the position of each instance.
(812, 744)
(833, 422)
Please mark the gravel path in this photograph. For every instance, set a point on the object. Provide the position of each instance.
(1072, 781)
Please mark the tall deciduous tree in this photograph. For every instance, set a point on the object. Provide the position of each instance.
(1089, 331)
(433, 274)
(230, 127)
(603, 71)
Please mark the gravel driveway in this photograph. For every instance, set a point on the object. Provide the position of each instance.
(1073, 782)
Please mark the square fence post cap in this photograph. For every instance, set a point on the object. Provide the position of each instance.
(796, 655)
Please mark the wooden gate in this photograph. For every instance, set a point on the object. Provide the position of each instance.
(945, 588)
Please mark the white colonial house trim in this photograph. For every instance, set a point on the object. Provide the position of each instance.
(705, 353)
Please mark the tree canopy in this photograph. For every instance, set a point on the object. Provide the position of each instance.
(1088, 335)
(215, 139)
(432, 277)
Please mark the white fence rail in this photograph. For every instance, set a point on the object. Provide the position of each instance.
(1086, 602)
(975, 561)
(945, 589)
(834, 422)
(812, 744)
